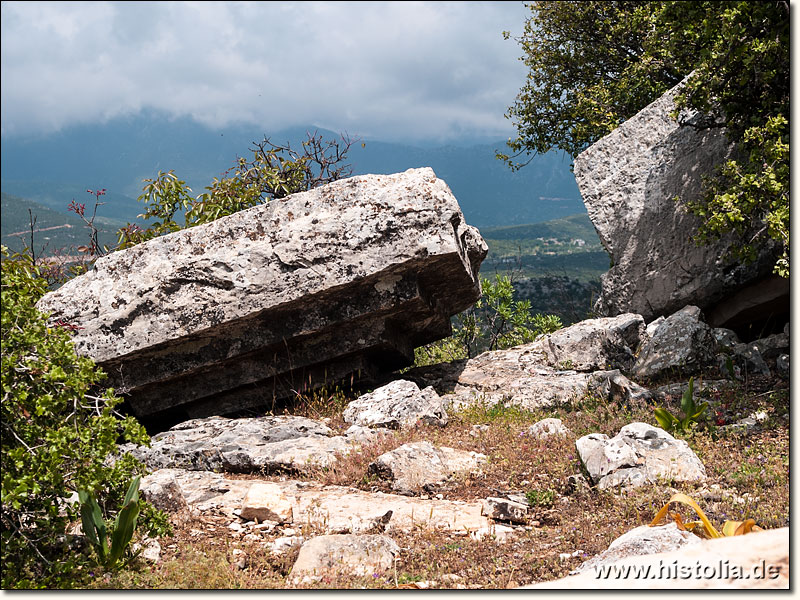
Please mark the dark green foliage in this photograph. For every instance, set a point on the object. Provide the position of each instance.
(594, 64)
(59, 429)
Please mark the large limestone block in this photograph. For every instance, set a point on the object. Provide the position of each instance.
(302, 291)
(628, 181)
(354, 554)
(398, 404)
(639, 454)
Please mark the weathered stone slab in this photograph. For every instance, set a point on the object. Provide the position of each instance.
(628, 181)
(352, 554)
(292, 294)
(244, 445)
(332, 509)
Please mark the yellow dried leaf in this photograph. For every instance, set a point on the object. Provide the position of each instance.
(684, 499)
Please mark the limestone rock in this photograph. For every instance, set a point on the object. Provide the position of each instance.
(782, 365)
(266, 502)
(641, 541)
(628, 181)
(639, 454)
(347, 278)
(243, 445)
(354, 554)
(162, 491)
(749, 359)
(332, 509)
(519, 376)
(421, 466)
(547, 427)
(395, 405)
(756, 561)
(503, 509)
(683, 343)
(614, 386)
(594, 344)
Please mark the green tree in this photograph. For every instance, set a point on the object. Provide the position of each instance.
(594, 64)
(274, 172)
(59, 431)
(495, 322)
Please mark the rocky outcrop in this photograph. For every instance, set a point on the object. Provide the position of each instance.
(343, 279)
(551, 370)
(628, 181)
(639, 454)
(246, 445)
(682, 343)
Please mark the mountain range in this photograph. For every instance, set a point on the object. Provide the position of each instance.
(57, 168)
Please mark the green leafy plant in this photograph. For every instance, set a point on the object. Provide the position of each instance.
(58, 429)
(496, 321)
(540, 497)
(275, 171)
(691, 412)
(94, 525)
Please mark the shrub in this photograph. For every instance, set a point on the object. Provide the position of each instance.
(58, 432)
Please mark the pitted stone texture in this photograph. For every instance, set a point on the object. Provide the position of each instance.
(683, 343)
(319, 285)
(352, 554)
(396, 405)
(422, 467)
(628, 181)
(163, 491)
(641, 541)
(244, 445)
(596, 344)
(639, 454)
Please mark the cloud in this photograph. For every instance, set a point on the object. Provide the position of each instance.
(394, 70)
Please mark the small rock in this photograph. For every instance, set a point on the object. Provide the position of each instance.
(398, 404)
(283, 544)
(547, 427)
(266, 501)
(782, 366)
(477, 430)
(236, 526)
(576, 485)
(501, 509)
(356, 554)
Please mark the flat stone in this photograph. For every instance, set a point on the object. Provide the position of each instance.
(244, 445)
(354, 554)
(344, 279)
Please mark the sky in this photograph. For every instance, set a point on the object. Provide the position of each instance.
(393, 71)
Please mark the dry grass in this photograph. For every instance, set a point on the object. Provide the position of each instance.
(748, 476)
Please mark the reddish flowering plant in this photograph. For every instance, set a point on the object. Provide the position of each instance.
(77, 208)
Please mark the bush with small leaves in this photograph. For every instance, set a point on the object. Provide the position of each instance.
(59, 434)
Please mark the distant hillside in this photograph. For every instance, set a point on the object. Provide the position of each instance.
(119, 154)
(53, 230)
